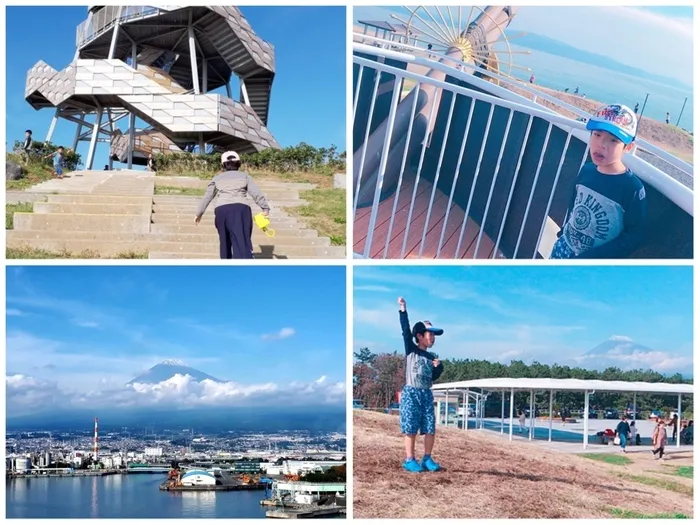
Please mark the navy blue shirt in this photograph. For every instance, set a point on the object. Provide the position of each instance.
(623, 428)
(606, 217)
(420, 372)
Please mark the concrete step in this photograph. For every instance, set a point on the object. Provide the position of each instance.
(110, 248)
(188, 228)
(185, 255)
(99, 199)
(114, 223)
(205, 236)
(264, 185)
(93, 209)
(189, 210)
(187, 219)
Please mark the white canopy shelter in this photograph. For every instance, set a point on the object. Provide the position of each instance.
(475, 388)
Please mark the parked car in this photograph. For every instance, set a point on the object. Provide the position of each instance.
(656, 414)
(357, 404)
(611, 413)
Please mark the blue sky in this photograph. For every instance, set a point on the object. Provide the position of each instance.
(308, 95)
(94, 328)
(545, 313)
(637, 36)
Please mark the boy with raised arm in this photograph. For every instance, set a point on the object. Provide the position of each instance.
(417, 413)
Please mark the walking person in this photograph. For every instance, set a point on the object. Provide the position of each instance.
(636, 108)
(623, 432)
(668, 118)
(521, 420)
(674, 423)
(659, 439)
(27, 145)
(232, 215)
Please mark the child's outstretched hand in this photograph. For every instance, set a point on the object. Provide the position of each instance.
(402, 304)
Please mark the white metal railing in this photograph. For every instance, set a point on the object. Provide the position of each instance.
(532, 89)
(672, 189)
(104, 19)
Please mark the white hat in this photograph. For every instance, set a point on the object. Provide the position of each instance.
(616, 119)
(229, 156)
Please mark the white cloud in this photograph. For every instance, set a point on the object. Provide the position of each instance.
(85, 324)
(14, 312)
(620, 357)
(373, 288)
(282, 334)
(25, 394)
(630, 35)
(621, 338)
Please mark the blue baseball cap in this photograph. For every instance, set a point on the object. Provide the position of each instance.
(617, 120)
(425, 326)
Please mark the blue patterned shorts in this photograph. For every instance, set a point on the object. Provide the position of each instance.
(417, 413)
(561, 250)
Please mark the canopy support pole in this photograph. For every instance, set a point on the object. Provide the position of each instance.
(678, 424)
(503, 409)
(551, 400)
(585, 421)
(532, 415)
(510, 430)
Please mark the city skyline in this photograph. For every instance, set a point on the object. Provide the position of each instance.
(77, 335)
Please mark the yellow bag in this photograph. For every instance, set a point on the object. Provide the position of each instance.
(263, 223)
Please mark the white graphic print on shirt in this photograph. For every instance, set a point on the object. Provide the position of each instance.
(594, 220)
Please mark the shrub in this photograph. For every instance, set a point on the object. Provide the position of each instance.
(302, 157)
(39, 151)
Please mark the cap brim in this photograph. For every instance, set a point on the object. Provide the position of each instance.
(610, 128)
(436, 331)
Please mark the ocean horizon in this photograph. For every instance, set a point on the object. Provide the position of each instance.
(606, 85)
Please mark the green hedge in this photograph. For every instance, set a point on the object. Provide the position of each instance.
(300, 158)
(39, 151)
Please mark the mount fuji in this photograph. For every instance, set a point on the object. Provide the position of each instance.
(169, 368)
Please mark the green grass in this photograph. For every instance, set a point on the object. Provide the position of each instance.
(673, 486)
(36, 253)
(684, 472)
(612, 459)
(11, 209)
(325, 213)
(172, 190)
(35, 173)
(631, 514)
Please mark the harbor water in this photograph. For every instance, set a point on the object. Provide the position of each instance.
(123, 496)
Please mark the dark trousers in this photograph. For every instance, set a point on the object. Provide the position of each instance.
(659, 451)
(234, 223)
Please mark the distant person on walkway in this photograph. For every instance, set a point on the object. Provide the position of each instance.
(606, 217)
(674, 423)
(151, 164)
(417, 413)
(668, 118)
(634, 437)
(232, 215)
(623, 431)
(636, 108)
(659, 439)
(532, 78)
(576, 91)
(521, 420)
(566, 90)
(27, 145)
(58, 161)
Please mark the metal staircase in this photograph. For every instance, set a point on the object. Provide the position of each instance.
(160, 64)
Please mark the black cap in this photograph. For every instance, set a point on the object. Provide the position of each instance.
(425, 326)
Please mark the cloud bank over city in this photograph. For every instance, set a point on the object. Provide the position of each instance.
(73, 347)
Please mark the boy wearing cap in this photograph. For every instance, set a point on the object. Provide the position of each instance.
(607, 212)
(232, 215)
(417, 413)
